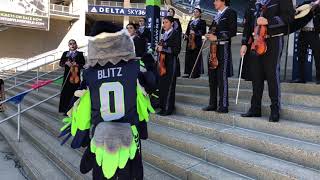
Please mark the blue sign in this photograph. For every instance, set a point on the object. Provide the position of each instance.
(120, 11)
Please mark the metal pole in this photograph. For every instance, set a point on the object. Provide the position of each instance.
(19, 118)
(15, 80)
(37, 78)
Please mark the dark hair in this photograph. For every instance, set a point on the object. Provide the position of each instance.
(226, 2)
(133, 25)
(144, 19)
(169, 18)
(104, 26)
(198, 10)
(72, 40)
(174, 12)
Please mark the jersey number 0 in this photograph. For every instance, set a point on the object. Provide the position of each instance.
(112, 101)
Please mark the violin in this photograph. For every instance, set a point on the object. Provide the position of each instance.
(192, 40)
(161, 63)
(74, 77)
(259, 44)
(213, 60)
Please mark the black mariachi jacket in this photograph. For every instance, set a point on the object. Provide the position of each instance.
(200, 30)
(226, 26)
(172, 45)
(279, 14)
(315, 15)
(247, 21)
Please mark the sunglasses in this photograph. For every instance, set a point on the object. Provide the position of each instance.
(72, 43)
(129, 27)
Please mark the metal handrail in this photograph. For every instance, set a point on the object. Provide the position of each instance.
(19, 112)
(38, 59)
(37, 78)
(62, 9)
(16, 62)
(15, 75)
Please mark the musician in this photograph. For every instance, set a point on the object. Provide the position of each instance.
(143, 31)
(246, 60)
(68, 59)
(309, 37)
(279, 14)
(196, 28)
(178, 28)
(167, 83)
(176, 23)
(139, 42)
(226, 28)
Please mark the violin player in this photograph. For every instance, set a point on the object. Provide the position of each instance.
(273, 15)
(309, 37)
(195, 30)
(225, 24)
(68, 60)
(169, 47)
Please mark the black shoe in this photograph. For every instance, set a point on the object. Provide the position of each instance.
(209, 108)
(274, 116)
(161, 112)
(166, 114)
(222, 110)
(318, 82)
(185, 76)
(298, 81)
(195, 77)
(251, 114)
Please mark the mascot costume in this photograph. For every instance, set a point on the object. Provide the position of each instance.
(110, 112)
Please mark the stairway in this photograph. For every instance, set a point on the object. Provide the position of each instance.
(191, 144)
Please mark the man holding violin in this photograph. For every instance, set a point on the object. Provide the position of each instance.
(223, 28)
(273, 16)
(72, 61)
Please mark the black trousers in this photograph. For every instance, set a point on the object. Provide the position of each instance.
(190, 60)
(306, 40)
(167, 85)
(267, 67)
(218, 78)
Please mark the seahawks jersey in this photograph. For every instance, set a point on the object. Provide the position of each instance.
(113, 91)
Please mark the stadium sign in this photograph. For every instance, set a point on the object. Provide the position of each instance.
(119, 11)
(26, 13)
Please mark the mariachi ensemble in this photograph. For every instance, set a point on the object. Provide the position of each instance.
(266, 22)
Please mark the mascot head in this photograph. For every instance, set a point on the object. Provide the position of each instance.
(109, 43)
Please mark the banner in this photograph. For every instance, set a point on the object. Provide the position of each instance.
(153, 20)
(119, 11)
(25, 13)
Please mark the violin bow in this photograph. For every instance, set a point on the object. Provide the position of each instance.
(240, 73)
(195, 64)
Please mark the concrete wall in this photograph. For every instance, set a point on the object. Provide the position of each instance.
(24, 43)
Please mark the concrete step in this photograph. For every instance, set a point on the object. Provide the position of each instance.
(288, 112)
(309, 88)
(50, 145)
(300, 152)
(285, 128)
(50, 113)
(252, 164)
(245, 94)
(25, 77)
(51, 122)
(37, 165)
(182, 165)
